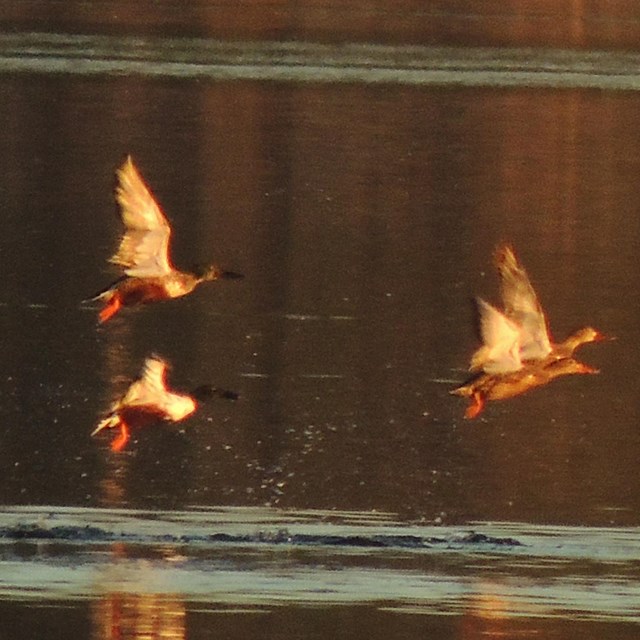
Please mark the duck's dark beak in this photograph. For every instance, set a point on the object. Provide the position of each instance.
(207, 391)
(228, 395)
(231, 275)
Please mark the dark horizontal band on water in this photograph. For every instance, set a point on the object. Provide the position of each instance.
(313, 62)
(89, 534)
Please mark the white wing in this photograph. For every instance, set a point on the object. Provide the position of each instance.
(500, 352)
(144, 247)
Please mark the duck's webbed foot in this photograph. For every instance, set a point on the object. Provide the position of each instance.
(111, 308)
(121, 439)
(476, 406)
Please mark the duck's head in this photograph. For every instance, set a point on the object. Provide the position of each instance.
(205, 273)
(587, 334)
(212, 272)
(207, 391)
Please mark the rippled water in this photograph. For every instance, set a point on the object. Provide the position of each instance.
(262, 557)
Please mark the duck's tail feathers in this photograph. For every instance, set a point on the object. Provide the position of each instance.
(111, 421)
(107, 292)
(464, 391)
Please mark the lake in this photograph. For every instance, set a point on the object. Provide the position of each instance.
(358, 165)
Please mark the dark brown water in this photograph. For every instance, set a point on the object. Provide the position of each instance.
(359, 172)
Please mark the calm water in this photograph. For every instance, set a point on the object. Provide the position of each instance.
(361, 189)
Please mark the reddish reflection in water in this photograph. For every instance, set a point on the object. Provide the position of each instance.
(141, 616)
(493, 616)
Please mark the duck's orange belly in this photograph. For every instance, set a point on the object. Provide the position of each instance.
(138, 291)
(141, 416)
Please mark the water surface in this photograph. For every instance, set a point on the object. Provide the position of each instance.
(161, 567)
(361, 185)
(363, 238)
